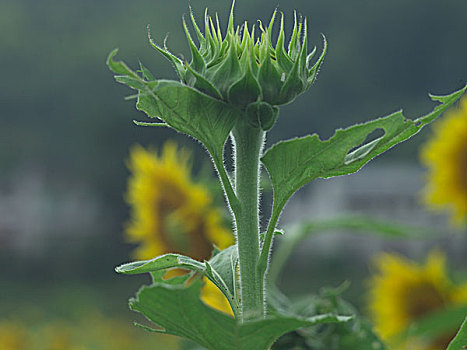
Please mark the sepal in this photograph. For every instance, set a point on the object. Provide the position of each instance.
(262, 115)
(245, 67)
(246, 90)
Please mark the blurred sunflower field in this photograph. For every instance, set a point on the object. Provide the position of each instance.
(445, 155)
(172, 214)
(82, 189)
(402, 292)
(93, 332)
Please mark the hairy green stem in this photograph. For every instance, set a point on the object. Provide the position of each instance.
(263, 260)
(230, 195)
(248, 143)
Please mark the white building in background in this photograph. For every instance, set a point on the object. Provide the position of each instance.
(384, 191)
(37, 214)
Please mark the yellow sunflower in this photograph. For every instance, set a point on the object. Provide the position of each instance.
(446, 157)
(171, 213)
(403, 291)
(12, 336)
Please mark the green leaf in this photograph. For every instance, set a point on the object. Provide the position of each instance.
(177, 309)
(460, 341)
(225, 264)
(354, 335)
(357, 224)
(149, 124)
(181, 107)
(220, 269)
(187, 110)
(292, 164)
(189, 345)
(163, 262)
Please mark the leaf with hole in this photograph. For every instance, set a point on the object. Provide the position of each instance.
(294, 163)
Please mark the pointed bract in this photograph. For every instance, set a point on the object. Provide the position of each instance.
(241, 67)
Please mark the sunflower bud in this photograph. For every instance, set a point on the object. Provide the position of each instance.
(246, 69)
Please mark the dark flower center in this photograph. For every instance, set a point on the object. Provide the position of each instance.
(422, 300)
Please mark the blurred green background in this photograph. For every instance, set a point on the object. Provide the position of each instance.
(65, 131)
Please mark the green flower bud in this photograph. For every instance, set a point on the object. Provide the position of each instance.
(248, 70)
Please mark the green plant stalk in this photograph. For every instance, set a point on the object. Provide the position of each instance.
(263, 260)
(248, 145)
(230, 195)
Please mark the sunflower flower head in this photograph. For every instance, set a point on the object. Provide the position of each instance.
(402, 292)
(445, 155)
(170, 213)
(13, 335)
(245, 68)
